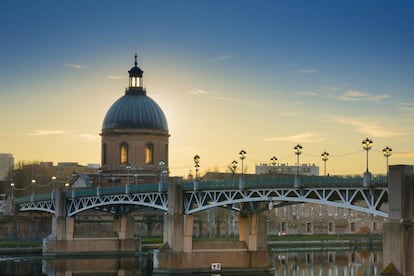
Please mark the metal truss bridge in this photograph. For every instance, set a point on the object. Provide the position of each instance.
(245, 195)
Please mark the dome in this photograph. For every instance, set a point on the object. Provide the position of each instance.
(135, 110)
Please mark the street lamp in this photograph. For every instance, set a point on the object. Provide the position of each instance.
(99, 171)
(298, 150)
(128, 167)
(161, 164)
(53, 183)
(273, 160)
(197, 167)
(67, 186)
(242, 155)
(12, 190)
(325, 157)
(233, 168)
(33, 186)
(367, 145)
(387, 153)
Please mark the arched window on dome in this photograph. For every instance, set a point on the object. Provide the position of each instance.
(123, 153)
(149, 153)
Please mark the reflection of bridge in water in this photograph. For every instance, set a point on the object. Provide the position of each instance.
(248, 196)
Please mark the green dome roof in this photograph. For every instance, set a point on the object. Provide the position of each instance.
(135, 110)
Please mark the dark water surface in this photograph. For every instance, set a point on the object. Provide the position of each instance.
(318, 263)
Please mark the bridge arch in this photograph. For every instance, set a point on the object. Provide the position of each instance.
(153, 200)
(48, 206)
(359, 199)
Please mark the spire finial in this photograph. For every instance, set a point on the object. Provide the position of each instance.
(136, 56)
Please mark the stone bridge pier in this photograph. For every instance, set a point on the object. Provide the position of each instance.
(181, 252)
(398, 239)
(63, 240)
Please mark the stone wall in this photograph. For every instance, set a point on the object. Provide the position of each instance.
(25, 226)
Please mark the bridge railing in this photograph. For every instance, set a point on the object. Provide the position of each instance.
(35, 197)
(141, 188)
(228, 184)
(286, 182)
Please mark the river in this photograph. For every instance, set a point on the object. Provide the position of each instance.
(305, 263)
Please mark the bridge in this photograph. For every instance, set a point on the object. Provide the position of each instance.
(390, 197)
(340, 191)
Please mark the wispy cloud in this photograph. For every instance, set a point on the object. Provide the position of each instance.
(308, 71)
(198, 92)
(308, 93)
(355, 95)
(74, 66)
(370, 128)
(223, 58)
(89, 137)
(226, 99)
(40, 132)
(406, 107)
(307, 137)
(112, 77)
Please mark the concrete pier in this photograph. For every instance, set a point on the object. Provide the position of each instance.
(398, 239)
(64, 241)
(181, 253)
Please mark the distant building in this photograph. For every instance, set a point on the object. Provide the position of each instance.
(6, 165)
(304, 169)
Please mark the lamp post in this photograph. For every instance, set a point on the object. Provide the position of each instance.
(33, 188)
(325, 157)
(298, 150)
(53, 183)
(53, 187)
(99, 171)
(242, 155)
(367, 145)
(273, 160)
(128, 167)
(387, 151)
(233, 167)
(197, 167)
(161, 164)
(67, 186)
(12, 190)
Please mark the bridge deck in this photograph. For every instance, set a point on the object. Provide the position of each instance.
(346, 192)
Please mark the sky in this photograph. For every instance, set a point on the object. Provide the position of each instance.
(257, 75)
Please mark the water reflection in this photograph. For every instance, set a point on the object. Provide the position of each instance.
(331, 263)
(134, 265)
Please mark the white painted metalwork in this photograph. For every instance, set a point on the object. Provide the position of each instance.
(45, 206)
(365, 199)
(368, 200)
(156, 200)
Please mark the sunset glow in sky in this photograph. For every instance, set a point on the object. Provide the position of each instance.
(260, 75)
